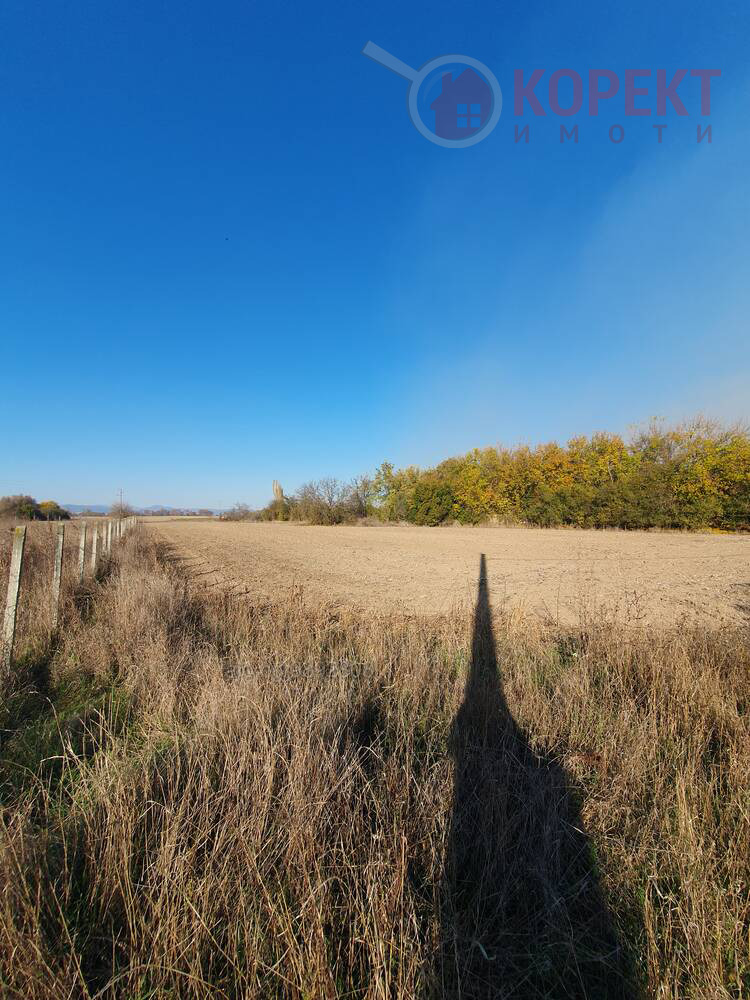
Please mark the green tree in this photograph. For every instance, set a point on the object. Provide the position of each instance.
(432, 502)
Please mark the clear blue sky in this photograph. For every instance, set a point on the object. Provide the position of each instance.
(226, 255)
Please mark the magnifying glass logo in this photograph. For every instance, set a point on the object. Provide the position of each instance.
(453, 101)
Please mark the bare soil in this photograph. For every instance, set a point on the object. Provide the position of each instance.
(564, 576)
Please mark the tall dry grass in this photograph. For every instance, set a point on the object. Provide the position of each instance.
(34, 622)
(210, 797)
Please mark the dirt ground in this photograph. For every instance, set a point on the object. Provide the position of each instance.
(557, 575)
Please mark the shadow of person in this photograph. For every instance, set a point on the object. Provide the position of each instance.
(522, 913)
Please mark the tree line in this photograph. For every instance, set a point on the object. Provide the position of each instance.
(25, 508)
(694, 476)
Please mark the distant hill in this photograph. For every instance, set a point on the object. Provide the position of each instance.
(154, 508)
(160, 508)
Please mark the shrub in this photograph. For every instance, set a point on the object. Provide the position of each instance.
(432, 502)
(323, 501)
(52, 511)
(276, 510)
(121, 509)
(240, 512)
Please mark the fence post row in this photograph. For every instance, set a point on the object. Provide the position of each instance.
(94, 544)
(11, 602)
(57, 572)
(82, 552)
(116, 528)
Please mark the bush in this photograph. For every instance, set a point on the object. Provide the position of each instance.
(120, 509)
(324, 501)
(52, 511)
(277, 510)
(432, 503)
(240, 512)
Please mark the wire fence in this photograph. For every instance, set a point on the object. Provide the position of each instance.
(83, 550)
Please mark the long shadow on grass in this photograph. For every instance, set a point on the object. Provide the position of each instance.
(522, 911)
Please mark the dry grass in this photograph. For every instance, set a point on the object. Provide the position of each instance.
(206, 797)
(34, 620)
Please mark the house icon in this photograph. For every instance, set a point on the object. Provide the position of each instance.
(463, 107)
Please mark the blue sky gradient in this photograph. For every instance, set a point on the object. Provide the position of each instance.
(226, 255)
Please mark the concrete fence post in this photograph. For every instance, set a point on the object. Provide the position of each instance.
(11, 601)
(57, 572)
(94, 542)
(108, 541)
(82, 552)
